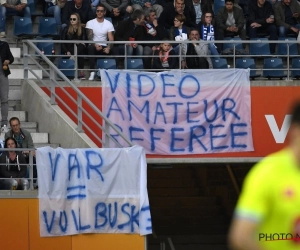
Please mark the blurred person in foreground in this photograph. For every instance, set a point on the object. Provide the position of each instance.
(267, 215)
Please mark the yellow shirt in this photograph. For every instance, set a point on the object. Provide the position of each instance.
(271, 197)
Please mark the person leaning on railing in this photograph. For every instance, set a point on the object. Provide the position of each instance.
(12, 165)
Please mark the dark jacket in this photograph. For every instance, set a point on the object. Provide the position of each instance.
(69, 47)
(6, 54)
(85, 12)
(26, 136)
(279, 9)
(15, 169)
(173, 61)
(128, 29)
(160, 35)
(167, 16)
(257, 14)
(223, 15)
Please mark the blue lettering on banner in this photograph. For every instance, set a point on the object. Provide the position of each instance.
(172, 112)
(106, 215)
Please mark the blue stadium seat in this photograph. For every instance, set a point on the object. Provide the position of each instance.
(22, 26)
(261, 48)
(277, 66)
(282, 47)
(45, 46)
(47, 27)
(106, 63)
(134, 63)
(219, 63)
(245, 63)
(234, 41)
(218, 4)
(295, 68)
(66, 66)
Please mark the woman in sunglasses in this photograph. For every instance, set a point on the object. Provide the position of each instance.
(75, 32)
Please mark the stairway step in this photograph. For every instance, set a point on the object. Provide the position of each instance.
(40, 137)
(16, 52)
(52, 145)
(22, 115)
(19, 74)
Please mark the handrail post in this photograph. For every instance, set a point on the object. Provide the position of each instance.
(52, 87)
(31, 169)
(76, 80)
(288, 61)
(79, 110)
(25, 55)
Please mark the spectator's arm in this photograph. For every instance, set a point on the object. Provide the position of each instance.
(220, 20)
(89, 34)
(64, 37)
(8, 57)
(66, 14)
(156, 61)
(123, 5)
(242, 235)
(111, 38)
(172, 60)
(107, 6)
(240, 21)
(23, 165)
(30, 141)
(279, 19)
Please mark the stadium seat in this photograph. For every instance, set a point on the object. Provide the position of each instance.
(47, 27)
(219, 63)
(106, 63)
(277, 66)
(22, 26)
(261, 48)
(234, 41)
(245, 63)
(295, 68)
(67, 67)
(47, 47)
(218, 4)
(134, 63)
(282, 47)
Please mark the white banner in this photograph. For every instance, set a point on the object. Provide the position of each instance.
(180, 112)
(93, 191)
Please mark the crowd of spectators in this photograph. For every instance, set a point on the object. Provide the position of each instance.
(156, 20)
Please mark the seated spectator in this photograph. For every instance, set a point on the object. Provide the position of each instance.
(23, 139)
(81, 7)
(172, 9)
(147, 4)
(53, 8)
(153, 32)
(116, 9)
(13, 8)
(261, 21)
(229, 22)
(164, 58)
(99, 29)
(130, 29)
(12, 165)
(179, 32)
(287, 17)
(195, 55)
(75, 32)
(207, 31)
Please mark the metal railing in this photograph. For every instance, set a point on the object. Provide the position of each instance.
(52, 73)
(232, 56)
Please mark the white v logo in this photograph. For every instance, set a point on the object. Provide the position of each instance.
(279, 134)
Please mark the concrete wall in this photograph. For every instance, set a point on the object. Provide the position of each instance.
(51, 118)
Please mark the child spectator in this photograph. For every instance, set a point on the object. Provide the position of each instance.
(164, 58)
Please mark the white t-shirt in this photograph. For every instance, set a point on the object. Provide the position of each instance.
(100, 30)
